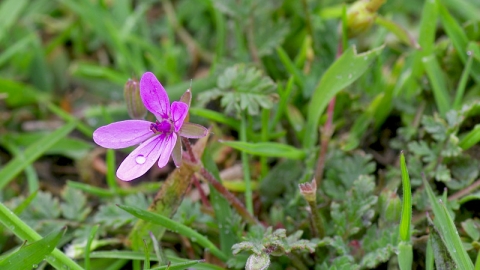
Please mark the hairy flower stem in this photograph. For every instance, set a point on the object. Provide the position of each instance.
(234, 202)
(325, 137)
(317, 219)
(188, 146)
(309, 192)
(203, 196)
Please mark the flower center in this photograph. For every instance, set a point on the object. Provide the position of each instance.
(161, 127)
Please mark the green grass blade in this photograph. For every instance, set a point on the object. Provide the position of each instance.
(176, 227)
(405, 253)
(135, 255)
(57, 258)
(32, 254)
(444, 224)
(440, 254)
(439, 86)
(223, 211)
(405, 256)
(457, 103)
(398, 31)
(290, 67)
(267, 149)
(34, 151)
(458, 37)
(406, 220)
(429, 256)
(464, 7)
(182, 265)
(9, 12)
(471, 139)
(282, 104)
(343, 72)
(25, 203)
(91, 237)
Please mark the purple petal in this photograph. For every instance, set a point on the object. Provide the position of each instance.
(193, 131)
(179, 112)
(177, 152)
(122, 134)
(167, 148)
(154, 96)
(141, 159)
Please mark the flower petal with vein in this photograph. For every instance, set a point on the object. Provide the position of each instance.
(157, 140)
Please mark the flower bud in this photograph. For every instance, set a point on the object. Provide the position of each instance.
(309, 190)
(361, 16)
(135, 106)
(258, 261)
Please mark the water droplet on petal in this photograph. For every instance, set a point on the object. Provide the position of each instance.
(140, 159)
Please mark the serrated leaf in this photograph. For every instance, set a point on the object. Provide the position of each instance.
(435, 127)
(110, 215)
(75, 205)
(356, 212)
(43, 212)
(241, 88)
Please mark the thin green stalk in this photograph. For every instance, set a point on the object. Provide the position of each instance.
(246, 166)
(57, 258)
(282, 105)
(264, 136)
(463, 82)
(146, 263)
(111, 178)
(91, 237)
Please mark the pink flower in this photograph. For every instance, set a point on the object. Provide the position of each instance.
(157, 140)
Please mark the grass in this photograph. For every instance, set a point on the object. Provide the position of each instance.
(291, 90)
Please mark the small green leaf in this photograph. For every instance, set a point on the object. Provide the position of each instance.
(75, 206)
(267, 149)
(343, 72)
(439, 85)
(471, 139)
(30, 255)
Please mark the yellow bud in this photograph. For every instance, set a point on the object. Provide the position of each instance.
(361, 16)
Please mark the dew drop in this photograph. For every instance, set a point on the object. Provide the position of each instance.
(140, 159)
(469, 53)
